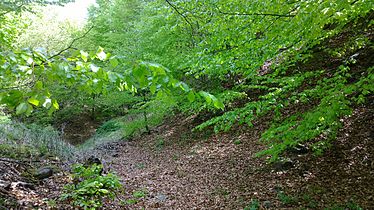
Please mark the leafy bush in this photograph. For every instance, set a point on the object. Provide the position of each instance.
(228, 97)
(334, 95)
(92, 187)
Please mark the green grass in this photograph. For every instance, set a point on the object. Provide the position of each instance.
(130, 125)
(22, 140)
(351, 205)
(140, 165)
(286, 200)
(15, 151)
(254, 205)
(108, 127)
(237, 142)
(129, 202)
(160, 143)
(139, 194)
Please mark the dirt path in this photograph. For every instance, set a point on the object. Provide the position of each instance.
(172, 170)
(216, 174)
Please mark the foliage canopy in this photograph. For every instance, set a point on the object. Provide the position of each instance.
(254, 55)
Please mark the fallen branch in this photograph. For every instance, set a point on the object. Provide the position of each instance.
(21, 162)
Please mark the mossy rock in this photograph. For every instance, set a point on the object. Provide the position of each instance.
(44, 172)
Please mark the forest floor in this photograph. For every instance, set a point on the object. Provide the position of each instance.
(174, 168)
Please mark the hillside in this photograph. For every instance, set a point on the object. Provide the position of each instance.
(187, 105)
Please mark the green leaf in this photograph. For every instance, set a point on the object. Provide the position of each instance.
(29, 110)
(112, 76)
(207, 97)
(104, 191)
(218, 104)
(183, 86)
(191, 96)
(30, 61)
(157, 69)
(84, 55)
(101, 55)
(55, 104)
(34, 101)
(153, 88)
(39, 85)
(139, 72)
(94, 68)
(114, 62)
(131, 201)
(47, 103)
(21, 108)
(173, 82)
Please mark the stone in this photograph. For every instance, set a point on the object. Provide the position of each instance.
(5, 185)
(44, 172)
(92, 160)
(299, 149)
(23, 185)
(283, 165)
(161, 198)
(267, 204)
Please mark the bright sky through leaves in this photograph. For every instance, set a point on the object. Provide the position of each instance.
(75, 11)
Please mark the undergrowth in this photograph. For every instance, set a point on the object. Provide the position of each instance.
(90, 187)
(130, 125)
(22, 140)
(327, 92)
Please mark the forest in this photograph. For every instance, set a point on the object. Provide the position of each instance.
(180, 104)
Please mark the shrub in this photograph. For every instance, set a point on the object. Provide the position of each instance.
(92, 187)
(108, 127)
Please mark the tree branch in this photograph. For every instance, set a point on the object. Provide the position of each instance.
(71, 44)
(183, 16)
(12, 10)
(255, 14)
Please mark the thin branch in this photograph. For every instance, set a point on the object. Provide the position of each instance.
(71, 43)
(12, 10)
(183, 16)
(255, 14)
